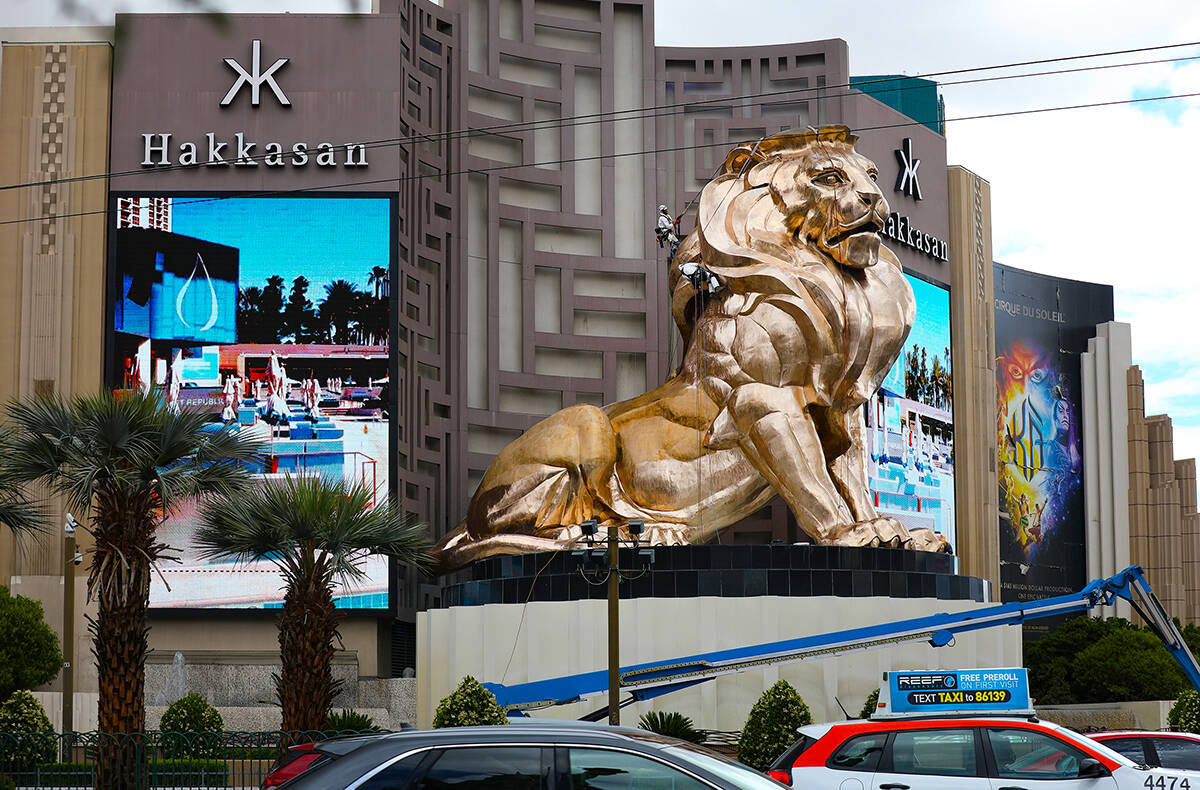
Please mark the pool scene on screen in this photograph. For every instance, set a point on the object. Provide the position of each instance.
(910, 423)
(271, 315)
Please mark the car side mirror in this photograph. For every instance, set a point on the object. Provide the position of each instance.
(1091, 768)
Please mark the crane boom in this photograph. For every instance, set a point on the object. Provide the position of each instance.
(654, 678)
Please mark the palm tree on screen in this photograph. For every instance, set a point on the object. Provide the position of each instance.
(338, 308)
(379, 278)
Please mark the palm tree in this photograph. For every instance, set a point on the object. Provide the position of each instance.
(380, 279)
(124, 461)
(338, 308)
(317, 531)
(935, 383)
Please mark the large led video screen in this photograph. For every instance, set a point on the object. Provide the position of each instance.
(270, 314)
(1042, 326)
(910, 423)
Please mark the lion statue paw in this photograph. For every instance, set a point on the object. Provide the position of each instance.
(887, 532)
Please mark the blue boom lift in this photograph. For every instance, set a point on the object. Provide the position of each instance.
(645, 681)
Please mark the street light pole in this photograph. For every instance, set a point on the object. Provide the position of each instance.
(608, 559)
(68, 613)
(614, 627)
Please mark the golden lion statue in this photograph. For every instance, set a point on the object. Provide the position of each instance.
(810, 314)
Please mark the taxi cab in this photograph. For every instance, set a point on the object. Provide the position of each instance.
(962, 730)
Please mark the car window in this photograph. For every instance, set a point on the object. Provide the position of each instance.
(860, 753)
(396, 775)
(937, 752)
(788, 758)
(604, 769)
(1028, 754)
(1130, 747)
(480, 767)
(1178, 753)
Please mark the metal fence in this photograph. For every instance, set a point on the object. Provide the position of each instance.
(141, 761)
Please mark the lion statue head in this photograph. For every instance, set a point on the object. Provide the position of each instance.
(794, 199)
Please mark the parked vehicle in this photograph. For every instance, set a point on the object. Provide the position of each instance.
(531, 756)
(1179, 750)
(963, 753)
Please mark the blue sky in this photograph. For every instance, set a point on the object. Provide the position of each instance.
(325, 238)
(931, 330)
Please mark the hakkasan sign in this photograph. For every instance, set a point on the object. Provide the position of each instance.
(160, 151)
(275, 101)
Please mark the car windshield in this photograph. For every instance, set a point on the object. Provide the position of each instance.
(735, 774)
(1095, 746)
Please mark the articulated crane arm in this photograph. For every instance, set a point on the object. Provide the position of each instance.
(652, 679)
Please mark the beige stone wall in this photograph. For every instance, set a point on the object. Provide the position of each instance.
(511, 643)
(1164, 528)
(252, 639)
(1185, 476)
(54, 114)
(972, 334)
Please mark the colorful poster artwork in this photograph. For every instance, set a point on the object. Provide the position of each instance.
(910, 423)
(271, 316)
(1042, 326)
(1039, 446)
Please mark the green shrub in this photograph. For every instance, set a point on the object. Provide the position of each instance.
(771, 726)
(7, 783)
(1127, 664)
(189, 773)
(350, 721)
(1086, 659)
(26, 735)
(29, 650)
(191, 728)
(870, 705)
(673, 725)
(56, 775)
(1185, 713)
(162, 773)
(469, 705)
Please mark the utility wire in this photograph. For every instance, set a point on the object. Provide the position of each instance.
(617, 116)
(670, 149)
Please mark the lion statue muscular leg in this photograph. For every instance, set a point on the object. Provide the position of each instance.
(810, 316)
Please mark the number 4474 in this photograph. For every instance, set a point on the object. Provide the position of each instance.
(1160, 783)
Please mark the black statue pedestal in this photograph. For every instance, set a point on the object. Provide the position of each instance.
(729, 571)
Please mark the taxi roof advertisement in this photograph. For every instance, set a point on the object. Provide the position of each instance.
(908, 693)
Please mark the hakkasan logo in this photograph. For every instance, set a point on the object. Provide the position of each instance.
(160, 150)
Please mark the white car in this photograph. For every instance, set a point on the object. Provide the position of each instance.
(963, 753)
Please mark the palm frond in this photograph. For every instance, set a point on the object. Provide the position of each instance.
(126, 441)
(18, 511)
(315, 529)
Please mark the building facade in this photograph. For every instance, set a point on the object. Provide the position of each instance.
(522, 150)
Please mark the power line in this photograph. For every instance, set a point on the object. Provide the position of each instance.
(670, 149)
(617, 116)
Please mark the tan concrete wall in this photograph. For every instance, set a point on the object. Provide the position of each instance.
(54, 118)
(1164, 528)
(561, 638)
(253, 637)
(972, 334)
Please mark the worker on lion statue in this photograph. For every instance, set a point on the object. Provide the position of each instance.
(810, 314)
